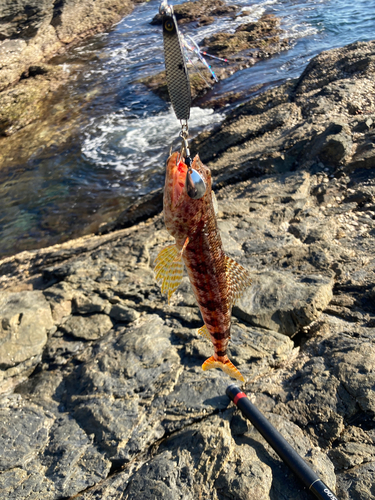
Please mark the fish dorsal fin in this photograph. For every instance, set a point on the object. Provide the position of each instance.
(169, 269)
(203, 330)
(238, 279)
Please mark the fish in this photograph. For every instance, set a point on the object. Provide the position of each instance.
(216, 279)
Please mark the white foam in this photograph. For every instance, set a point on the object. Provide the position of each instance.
(124, 143)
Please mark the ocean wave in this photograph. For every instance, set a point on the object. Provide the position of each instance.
(127, 143)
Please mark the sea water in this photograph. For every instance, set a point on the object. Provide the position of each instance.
(118, 151)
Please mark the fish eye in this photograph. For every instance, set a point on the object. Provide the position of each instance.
(168, 25)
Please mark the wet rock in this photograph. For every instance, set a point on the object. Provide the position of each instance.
(25, 320)
(49, 26)
(283, 303)
(31, 32)
(262, 35)
(201, 11)
(87, 327)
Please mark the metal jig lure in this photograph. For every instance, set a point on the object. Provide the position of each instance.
(179, 92)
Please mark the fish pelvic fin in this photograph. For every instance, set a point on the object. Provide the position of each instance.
(226, 365)
(203, 330)
(169, 269)
(238, 279)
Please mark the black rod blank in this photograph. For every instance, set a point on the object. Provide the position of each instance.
(280, 445)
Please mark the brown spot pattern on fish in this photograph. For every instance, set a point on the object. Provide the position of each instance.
(217, 280)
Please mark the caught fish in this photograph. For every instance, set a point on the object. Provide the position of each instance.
(216, 279)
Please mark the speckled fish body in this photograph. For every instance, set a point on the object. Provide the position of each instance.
(216, 279)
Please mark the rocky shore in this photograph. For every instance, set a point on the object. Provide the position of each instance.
(102, 392)
(250, 43)
(31, 32)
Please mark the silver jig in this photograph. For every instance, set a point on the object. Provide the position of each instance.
(194, 183)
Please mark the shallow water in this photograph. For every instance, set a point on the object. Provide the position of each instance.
(117, 151)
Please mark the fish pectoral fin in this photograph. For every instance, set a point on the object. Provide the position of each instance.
(238, 279)
(203, 330)
(169, 269)
(226, 365)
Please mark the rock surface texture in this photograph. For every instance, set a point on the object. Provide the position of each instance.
(31, 32)
(112, 402)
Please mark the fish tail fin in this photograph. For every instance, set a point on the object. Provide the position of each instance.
(226, 365)
(169, 269)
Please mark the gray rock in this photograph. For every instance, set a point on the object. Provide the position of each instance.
(91, 304)
(19, 484)
(25, 319)
(60, 297)
(349, 455)
(25, 432)
(72, 461)
(284, 303)
(335, 148)
(88, 327)
(358, 483)
(123, 314)
(287, 484)
(45, 456)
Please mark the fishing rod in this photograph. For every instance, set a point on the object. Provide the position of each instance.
(285, 451)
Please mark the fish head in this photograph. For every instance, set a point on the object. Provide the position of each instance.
(182, 214)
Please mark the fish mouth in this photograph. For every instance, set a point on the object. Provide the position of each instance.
(179, 176)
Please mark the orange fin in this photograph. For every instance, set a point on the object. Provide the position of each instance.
(238, 279)
(227, 367)
(204, 332)
(169, 269)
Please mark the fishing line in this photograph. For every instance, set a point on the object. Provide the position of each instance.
(178, 84)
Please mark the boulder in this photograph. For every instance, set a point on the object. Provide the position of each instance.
(25, 318)
(283, 302)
